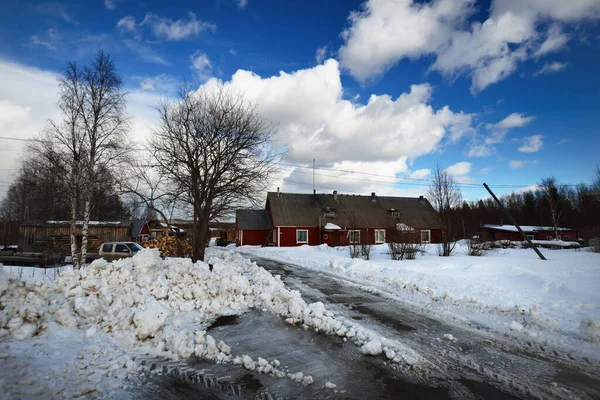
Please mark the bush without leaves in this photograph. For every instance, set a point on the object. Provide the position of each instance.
(365, 250)
(354, 250)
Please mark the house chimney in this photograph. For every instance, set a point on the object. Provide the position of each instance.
(314, 191)
(421, 199)
(335, 195)
(373, 197)
(277, 191)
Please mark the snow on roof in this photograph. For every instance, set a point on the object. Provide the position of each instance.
(404, 227)
(525, 228)
(331, 226)
(90, 222)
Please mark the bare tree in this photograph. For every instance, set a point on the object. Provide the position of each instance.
(444, 194)
(89, 139)
(551, 192)
(214, 150)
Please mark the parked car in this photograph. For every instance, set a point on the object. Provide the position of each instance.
(111, 251)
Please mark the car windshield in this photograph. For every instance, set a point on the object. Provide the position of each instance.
(134, 247)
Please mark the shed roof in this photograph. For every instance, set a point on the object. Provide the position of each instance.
(295, 209)
(103, 224)
(525, 228)
(253, 219)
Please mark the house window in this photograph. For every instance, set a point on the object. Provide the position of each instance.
(548, 237)
(354, 236)
(330, 214)
(379, 235)
(396, 214)
(325, 236)
(566, 237)
(426, 236)
(530, 237)
(558, 237)
(302, 236)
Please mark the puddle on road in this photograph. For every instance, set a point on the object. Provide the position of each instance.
(384, 318)
(223, 321)
(250, 382)
(486, 391)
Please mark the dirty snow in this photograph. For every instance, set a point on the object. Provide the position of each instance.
(508, 291)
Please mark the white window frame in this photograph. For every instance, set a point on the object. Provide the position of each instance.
(396, 214)
(549, 238)
(301, 230)
(378, 231)
(567, 238)
(428, 234)
(350, 232)
(325, 236)
(558, 237)
(530, 237)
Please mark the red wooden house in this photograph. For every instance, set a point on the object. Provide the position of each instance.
(293, 219)
(492, 233)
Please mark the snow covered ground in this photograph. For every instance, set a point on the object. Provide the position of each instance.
(510, 291)
(66, 333)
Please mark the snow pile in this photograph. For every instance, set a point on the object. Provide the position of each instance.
(163, 307)
(508, 290)
(331, 226)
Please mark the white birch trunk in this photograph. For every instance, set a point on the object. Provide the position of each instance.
(73, 224)
(85, 229)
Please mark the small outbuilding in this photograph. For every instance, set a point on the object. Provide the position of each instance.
(489, 232)
(253, 228)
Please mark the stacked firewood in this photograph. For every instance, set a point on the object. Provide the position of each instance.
(169, 246)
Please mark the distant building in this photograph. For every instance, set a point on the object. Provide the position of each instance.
(490, 232)
(293, 219)
(56, 235)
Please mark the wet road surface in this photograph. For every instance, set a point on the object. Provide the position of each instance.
(475, 365)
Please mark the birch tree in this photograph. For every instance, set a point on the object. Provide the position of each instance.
(444, 195)
(214, 150)
(90, 138)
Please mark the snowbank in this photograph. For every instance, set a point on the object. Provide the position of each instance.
(507, 290)
(163, 307)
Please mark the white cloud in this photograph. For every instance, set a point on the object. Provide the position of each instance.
(166, 28)
(28, 100)
(144, 51)
(384, 32)
(200, 64)
(321, 54)
(241, 3)
(459, 169)
(420, 174)
(127, 24)
(316, 122)
(480, 151)
(532, 144)
(562, 141)
(555, 41)
(180, 29)
(48, 41)
(500, 129)
(551, 68)
(163, 83)
(110, 4)
(485, 170)
(516, 164)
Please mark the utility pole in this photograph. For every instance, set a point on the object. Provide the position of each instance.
(512, 221)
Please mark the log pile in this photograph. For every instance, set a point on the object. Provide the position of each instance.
(169, 247)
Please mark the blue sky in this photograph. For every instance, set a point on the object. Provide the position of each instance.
(505, 92)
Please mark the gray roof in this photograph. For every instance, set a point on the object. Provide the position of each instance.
(524, 228)
(351, 211)
(253, 219)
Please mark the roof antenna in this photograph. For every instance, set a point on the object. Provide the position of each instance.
(314, 190)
